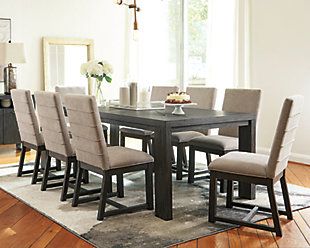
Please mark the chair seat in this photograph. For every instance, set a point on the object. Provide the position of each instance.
(242, 163)
(216, 142)
(136, 132)
(183, 137)
(125, 157)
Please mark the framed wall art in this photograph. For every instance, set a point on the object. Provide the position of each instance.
(5, 36)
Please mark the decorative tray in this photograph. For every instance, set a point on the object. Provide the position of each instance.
(156, 105)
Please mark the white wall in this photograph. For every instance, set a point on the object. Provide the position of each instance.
(280, 65)
(100, 20)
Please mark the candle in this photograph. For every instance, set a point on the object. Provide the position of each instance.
(144, 97)
(124, 99)
(133, 88)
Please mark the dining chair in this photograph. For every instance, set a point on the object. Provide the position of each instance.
(29, 130)
(235, 100)
(94, 155)
(57, 140)
(260, 170)
(159, 93)
(205, 99)
(64, 90)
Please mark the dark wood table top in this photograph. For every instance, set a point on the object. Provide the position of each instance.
(160, 117)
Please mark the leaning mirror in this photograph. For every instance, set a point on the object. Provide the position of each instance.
(62, 60)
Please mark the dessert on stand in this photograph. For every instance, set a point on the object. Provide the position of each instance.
(178, 100)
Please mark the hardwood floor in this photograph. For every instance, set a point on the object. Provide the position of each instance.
(22, 226)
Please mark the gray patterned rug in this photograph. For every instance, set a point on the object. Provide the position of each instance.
(141, 229)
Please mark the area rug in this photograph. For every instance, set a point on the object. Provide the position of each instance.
(140, 229)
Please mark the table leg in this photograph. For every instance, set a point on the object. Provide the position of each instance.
(163, 174)
(247, 143)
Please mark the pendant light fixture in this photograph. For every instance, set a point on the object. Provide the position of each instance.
(135, 9)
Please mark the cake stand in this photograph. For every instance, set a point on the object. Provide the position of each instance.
(178, 107)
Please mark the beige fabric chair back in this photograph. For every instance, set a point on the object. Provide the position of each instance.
(203, 96)
(285, 135)
(26, 117)
(64, 90)
(159, 93)
(241, 101)
(53, 124)
(86, 129)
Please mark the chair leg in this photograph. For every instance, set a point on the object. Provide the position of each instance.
(85, 176)
(230, 194)
(120, 185)
(184, 157)
(77, 187)
(223, 185)
(36, 167)
(286, 198)
(58, 165)
(150, 146)
(109, 183)
(144, 145)
(46, 173)
(105, 134)
(75, 166)
(191, 166)
(122, 140)
(208, 156)
(223, 182)
(103, 196)
(21, 161)
(172, 155)
(149, 187)
(274, 209)
(179, 162)
(212, 197)
(65, 185)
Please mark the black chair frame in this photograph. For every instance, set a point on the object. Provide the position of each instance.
(36, 169)
(104, 195)
(246, 221)
(65, 183)
(191, 167)
(146, 140)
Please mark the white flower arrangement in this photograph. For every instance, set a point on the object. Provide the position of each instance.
(97, 69)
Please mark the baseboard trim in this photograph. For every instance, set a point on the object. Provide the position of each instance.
(295, 157)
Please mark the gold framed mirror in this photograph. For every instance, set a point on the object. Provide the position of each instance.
(62, 58)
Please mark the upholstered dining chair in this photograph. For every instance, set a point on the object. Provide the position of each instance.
(64, 90)
(94, 155)
(159, 93)
(205, 98)
(235, 100)
(57, 139)
(260, 170)
(29, 130)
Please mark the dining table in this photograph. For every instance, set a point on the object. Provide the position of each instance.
(163, 123)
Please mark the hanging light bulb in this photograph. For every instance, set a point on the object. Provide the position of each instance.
(135, 35)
